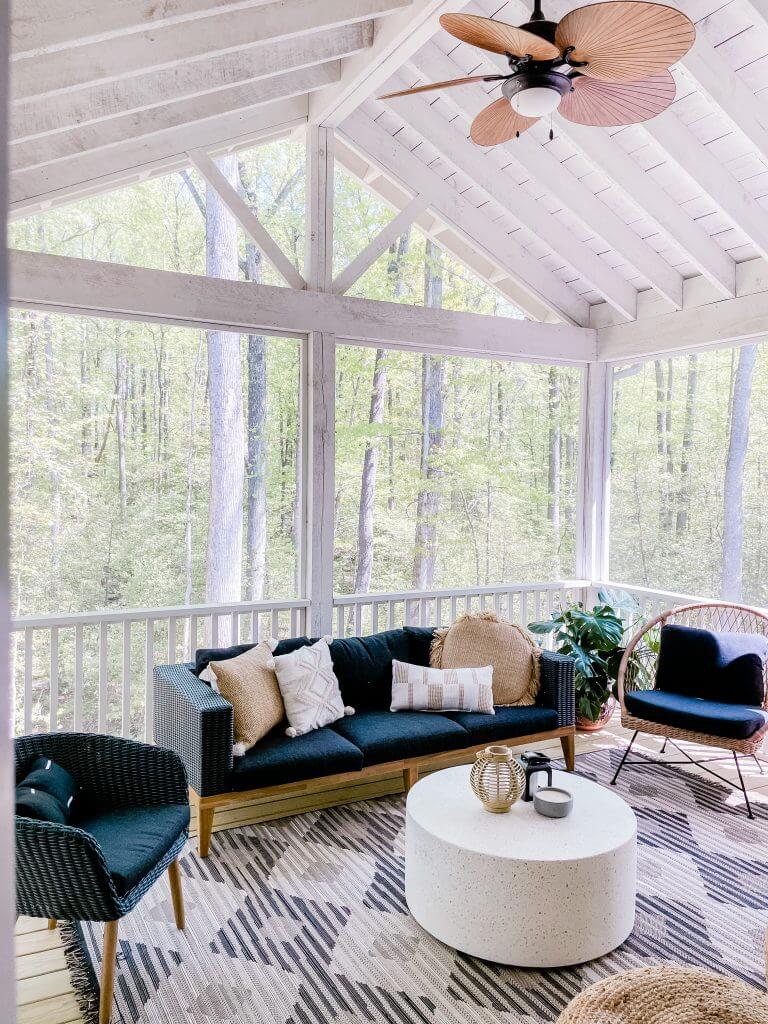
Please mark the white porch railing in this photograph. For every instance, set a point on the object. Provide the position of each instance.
(94, 671)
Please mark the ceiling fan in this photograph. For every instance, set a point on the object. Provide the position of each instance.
(602, 65)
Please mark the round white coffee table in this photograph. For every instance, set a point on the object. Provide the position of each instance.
(519, 888)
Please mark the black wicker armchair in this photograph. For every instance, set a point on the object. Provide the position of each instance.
(132, 825)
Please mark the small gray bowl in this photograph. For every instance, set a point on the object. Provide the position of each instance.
(553, 802)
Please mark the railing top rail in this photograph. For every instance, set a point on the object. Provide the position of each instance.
(142, 614)
(499, 588)
(631, 588)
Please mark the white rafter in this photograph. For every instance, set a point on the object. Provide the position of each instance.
(434, 65)
(378, 245)
(397, 39)
(246, 218)
(174, 45)
(467, 158)
(457, 212)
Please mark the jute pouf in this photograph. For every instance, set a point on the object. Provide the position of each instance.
(668, 995)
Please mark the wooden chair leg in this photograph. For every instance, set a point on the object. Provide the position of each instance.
(52, 922)
(568, 744)
(410, 777)
(204, 828)
(108, 971)
(177, 897)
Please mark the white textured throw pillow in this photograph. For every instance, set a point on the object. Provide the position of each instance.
(419, 688)
(309, 688)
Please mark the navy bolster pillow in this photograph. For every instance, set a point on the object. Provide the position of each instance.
(726, 667)
(47, 792)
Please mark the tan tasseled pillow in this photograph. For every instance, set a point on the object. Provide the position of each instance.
(481, 639)
(251, 688)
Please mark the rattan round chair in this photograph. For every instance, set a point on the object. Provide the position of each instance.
(637, 672)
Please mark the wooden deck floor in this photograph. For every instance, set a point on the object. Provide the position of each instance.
(44, 991)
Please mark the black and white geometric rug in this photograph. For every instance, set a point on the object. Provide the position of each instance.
(303, 921)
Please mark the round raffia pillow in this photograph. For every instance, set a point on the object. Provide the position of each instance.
(668, 995)
(479, 639)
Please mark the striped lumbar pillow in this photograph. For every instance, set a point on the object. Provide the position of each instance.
(418, 688)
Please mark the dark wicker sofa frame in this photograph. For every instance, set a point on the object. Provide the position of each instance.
(195, 721)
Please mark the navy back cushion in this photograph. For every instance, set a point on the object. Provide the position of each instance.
(205, 655)
(726, 667)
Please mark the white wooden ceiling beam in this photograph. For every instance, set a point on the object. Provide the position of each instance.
(174, 45)
(60, 113)
(246, 218)
(40, 26)
(467, 158)
(458, 213)
(129, 162)
(55, 149)
(397, 39)
(64, 284)
(548, 172)
(714, 180)
(397, 197)
(378, 245)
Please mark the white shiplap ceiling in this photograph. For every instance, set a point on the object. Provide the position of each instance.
(111, 91)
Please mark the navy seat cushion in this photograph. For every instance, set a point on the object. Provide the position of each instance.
(205, 655)
(506, 723)
(363, 666)
(391, 735)
(727, 667)
(135, 839)
(714, 718)
(278, 758)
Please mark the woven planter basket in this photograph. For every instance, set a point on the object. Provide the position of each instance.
(668, 995)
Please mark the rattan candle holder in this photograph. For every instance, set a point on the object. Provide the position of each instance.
(497, 779)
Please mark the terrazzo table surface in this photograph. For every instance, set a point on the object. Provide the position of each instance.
(519, 888)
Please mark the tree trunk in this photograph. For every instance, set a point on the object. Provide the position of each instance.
(120, 384)
(224, 550)
(364, 567)
(689, 423)
(256, 457)
(733, 485)
(432, 438)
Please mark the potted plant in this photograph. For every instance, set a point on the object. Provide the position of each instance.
(593, 639)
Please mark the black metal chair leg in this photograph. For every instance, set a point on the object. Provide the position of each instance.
(759, 763)
(624, 758)
(663, 746)
(743, 787)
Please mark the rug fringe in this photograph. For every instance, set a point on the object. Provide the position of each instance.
(84, 982)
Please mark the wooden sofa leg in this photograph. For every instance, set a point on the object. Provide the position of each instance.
(568, 744)
(204, 828)
(177, 897)
(410, 777)
(52, 922)
(108, 971)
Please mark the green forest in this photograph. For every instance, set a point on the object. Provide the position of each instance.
(156, 465)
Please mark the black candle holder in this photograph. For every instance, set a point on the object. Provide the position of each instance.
(534, 761)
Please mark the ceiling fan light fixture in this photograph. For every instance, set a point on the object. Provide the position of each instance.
(537, 101)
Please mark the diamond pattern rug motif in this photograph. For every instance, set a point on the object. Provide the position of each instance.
(304, 921)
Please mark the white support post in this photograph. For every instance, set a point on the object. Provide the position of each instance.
(319, 424)
(246, 218)
(594, 491)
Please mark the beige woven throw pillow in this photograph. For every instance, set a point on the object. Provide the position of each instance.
(250, 686)
(482, 638)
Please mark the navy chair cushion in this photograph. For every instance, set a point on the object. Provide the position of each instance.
(135, 839)
(46, 792)
(713, 718)
(363, 666)
(726, 667)
(278, 758)
(390, 735)
(205, 655)
(506, 723)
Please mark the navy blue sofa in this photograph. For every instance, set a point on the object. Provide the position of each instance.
(195, 721)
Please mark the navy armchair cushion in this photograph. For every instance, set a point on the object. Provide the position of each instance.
(390, 735)
(135, 839)
(712, 718)
(725, 667)
(363, 666)
(46, 792)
